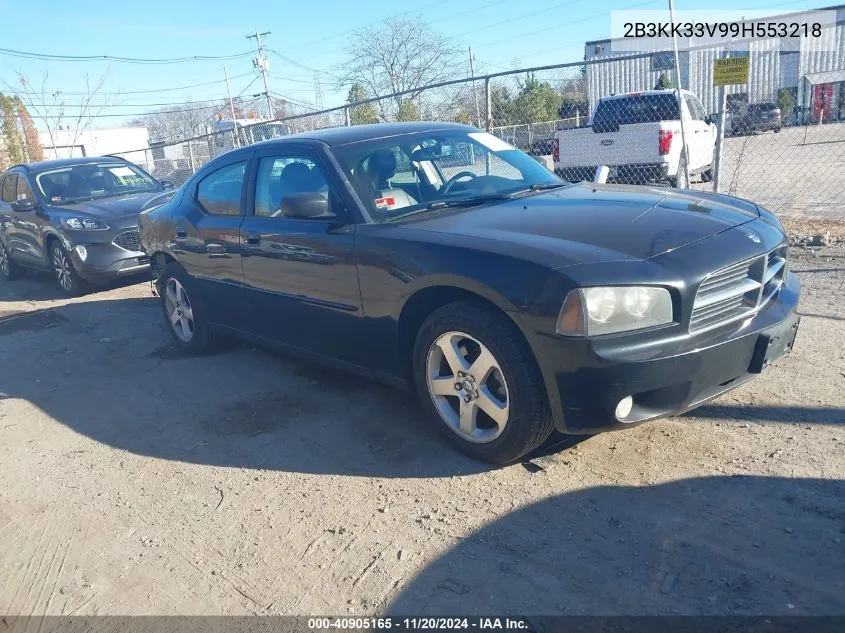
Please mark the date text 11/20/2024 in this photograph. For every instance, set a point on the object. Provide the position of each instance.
(417, 624)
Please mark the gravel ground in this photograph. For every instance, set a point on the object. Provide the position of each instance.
(134, 480)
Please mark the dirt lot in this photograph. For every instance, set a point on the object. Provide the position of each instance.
(134, 480)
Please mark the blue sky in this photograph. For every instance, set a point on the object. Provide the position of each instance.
(503, 33)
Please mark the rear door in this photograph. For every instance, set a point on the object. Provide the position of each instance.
(207, 239)
(8, 192)
(300, 273)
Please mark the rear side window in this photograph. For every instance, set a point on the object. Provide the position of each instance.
(637, 109)
(9, 192)
(219, 193)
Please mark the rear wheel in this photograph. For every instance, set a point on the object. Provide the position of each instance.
(183, 312)
(8, 269)
(66, 276)
(480, 383)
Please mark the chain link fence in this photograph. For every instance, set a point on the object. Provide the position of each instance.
(615, 119)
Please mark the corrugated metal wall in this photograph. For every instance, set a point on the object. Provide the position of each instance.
(771, 69)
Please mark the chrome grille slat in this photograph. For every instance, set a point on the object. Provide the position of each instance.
(738, 290)
(128, 240)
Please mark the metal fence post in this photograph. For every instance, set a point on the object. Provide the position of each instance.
(191, 161)
(489, 125)
(347, 116)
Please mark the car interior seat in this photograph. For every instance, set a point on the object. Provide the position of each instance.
(381, 167)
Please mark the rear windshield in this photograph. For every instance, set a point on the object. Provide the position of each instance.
(762, 107)
(637, 109)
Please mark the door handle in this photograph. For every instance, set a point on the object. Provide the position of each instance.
(181, 233)
(253, 239)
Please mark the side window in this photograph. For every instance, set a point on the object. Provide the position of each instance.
(702, 113)
(696, 111)
(24, 192)
(9, 193)
(282, 176)
(219, 193)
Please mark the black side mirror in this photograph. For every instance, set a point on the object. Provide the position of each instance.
(24, 204)
(306, 205)
(167, 184)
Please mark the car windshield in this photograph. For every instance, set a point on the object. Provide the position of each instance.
(76, 183)
(423, 173)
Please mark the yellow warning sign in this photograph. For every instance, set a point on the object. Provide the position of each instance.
(730, 71)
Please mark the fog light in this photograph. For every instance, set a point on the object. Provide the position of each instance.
(624, 407)
(82, 252)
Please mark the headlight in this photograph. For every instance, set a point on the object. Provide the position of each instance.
(609, 309)
(85, 224)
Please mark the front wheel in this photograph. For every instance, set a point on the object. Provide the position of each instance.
(480, 383)
(66, 276)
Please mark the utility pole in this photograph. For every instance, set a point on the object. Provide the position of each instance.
(682, 179)
(263, 64)
(474, 90)
(231, 110)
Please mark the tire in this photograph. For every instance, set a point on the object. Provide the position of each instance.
(66, 276)
(777, 130)
(469, 329)
(185, 317)
(9, 270)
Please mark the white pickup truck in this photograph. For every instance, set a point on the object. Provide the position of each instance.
(638, 137)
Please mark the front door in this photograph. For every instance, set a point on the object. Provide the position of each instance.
(300, 272)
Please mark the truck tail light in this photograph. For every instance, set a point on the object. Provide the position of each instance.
(664, 142)
(555, 150)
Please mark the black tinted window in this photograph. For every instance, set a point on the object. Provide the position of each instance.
(9, 192)
(637, 109)
(219, 193)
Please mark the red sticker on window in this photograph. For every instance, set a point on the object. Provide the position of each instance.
(56, 199)
(385, 203)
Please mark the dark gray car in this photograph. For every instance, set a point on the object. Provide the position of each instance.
(77, 218)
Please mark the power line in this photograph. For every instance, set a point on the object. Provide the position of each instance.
(118, 58)
(133, 92)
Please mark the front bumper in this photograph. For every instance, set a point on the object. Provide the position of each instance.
(589, 377)
(104, 260)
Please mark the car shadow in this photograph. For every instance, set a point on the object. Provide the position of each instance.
(704, 546)
(42, 286)
(769, 413)
(109, 370)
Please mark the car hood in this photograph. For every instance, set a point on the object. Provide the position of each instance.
(588, 223)
(110, 208)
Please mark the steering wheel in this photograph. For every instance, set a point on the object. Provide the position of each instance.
(454, 179)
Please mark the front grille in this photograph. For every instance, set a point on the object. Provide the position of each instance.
(738, 290)
(129, 240)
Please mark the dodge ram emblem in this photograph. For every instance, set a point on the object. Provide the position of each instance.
(753, 237)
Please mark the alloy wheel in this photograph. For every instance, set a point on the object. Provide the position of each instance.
(179, 311)
(62, 267)
(468, 387)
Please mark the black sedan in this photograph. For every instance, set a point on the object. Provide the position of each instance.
(75, 217)
(439, 258)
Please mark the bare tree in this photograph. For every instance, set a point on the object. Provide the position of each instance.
(175, 123)
(399, 55)
(50, 108)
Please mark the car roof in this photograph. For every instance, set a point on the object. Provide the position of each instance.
(646, 93)
(46, 165)
(356, 133)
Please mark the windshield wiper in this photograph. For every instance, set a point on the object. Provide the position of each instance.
(539, 186)
(453, 204)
